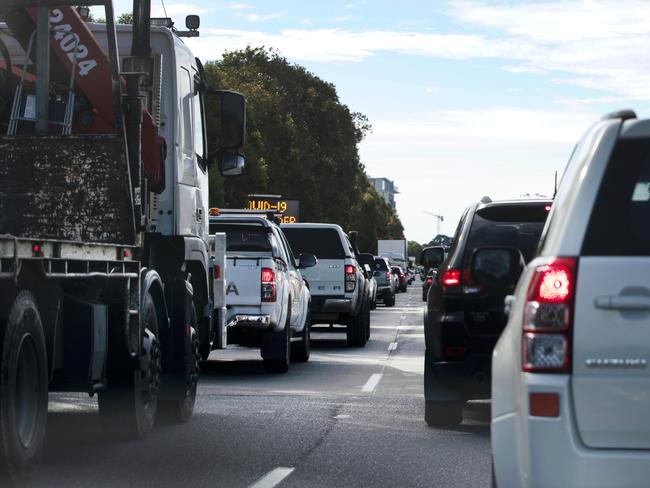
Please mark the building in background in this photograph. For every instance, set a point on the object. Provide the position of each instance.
(386, 189)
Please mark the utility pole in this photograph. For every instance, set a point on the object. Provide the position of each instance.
(439, 217)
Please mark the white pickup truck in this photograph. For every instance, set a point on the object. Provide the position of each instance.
(338, 285)
(267, 300)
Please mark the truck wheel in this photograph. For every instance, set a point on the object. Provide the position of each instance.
(443, 413)
(180, 409)
(356, 330)
(23, 389)
(300, 350)
(128, 407)
(276, 348)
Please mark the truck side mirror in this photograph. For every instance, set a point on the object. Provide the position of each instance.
(231, 164)
(233, 120)
(497, 267)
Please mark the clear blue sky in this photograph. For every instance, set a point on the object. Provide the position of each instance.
(467, 98)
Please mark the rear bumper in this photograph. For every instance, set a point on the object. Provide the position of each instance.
(324, 304)
(545, 452)
(261, 322)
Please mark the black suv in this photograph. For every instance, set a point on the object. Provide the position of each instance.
(463, 319)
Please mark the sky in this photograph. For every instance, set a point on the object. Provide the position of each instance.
(467, 98)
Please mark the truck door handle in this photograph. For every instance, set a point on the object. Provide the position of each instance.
(623, 302)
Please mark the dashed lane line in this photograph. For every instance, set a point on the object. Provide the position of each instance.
(272, 478)
(372, 383)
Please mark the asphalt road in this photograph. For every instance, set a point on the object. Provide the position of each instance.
(349, 417)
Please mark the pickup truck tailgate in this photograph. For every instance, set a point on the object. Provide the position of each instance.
(244, 281)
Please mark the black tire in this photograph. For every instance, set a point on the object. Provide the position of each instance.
(278, 344)
(402, 288)
(356, 329)
(389, 300)
(180, 409)
(443, 413)
(367, 320)
(130, 404)
(300, 350)
(23, 389)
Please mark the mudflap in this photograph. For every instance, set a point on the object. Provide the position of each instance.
(176, 362)
(435, 388)
(274, 345)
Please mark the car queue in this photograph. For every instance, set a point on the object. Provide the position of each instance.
(544, 307)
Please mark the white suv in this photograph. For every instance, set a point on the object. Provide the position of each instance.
(570, 374)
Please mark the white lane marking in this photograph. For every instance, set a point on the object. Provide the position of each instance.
(392, 346)
(338, 417)
(372, 383)
(272, 478)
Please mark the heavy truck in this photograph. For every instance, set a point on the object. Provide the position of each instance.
(105, 269)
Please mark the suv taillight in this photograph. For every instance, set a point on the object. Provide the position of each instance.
(429, 280)
(548, 316)
(269, 292)
(350, 278)
(451, 278)
(388, 275)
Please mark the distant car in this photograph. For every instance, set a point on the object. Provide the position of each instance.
(401, 276)
(386, 281)
(463, 318)
(571, 375)
(366, 261)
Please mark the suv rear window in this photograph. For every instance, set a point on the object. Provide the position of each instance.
(379, 265)
(324, 243)
(244, 238)
(619, 220)
(518, 226)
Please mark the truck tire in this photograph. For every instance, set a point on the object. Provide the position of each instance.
(180, 409)
(357, 335)
(300, 350)
(276, 348)
(129, 406)
(23, 389)
(389, 299)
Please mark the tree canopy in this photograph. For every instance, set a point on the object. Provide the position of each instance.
(301, 144)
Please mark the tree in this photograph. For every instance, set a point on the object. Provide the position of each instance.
(301, 143)
(415, 249)
(441, 240)
(125, 18)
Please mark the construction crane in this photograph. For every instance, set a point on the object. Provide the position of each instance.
(437, 216)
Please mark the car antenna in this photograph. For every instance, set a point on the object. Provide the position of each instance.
(555, 185)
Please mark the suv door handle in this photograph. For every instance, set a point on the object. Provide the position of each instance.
(623, 302)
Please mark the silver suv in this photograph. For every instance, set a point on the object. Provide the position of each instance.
(570, 375)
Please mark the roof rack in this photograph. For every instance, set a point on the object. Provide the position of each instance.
(624, 114)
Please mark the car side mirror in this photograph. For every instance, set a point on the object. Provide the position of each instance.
(367, 271)
(231, 164)
(497, 267)
(432, 257)
(307, 261)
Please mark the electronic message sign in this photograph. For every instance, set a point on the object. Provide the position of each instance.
(289, 210)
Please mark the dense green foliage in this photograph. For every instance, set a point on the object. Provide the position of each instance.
(414, 249)
(301, 144)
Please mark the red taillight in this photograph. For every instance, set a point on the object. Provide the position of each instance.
(451, 277)
(548, 317)
(269, 292)
(350, 278)
(428, 281)
(547, 208)
(388, 275)
(217, 271)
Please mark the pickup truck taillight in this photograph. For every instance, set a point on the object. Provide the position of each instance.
(350, 278)
(548, 317)
(269, 292)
